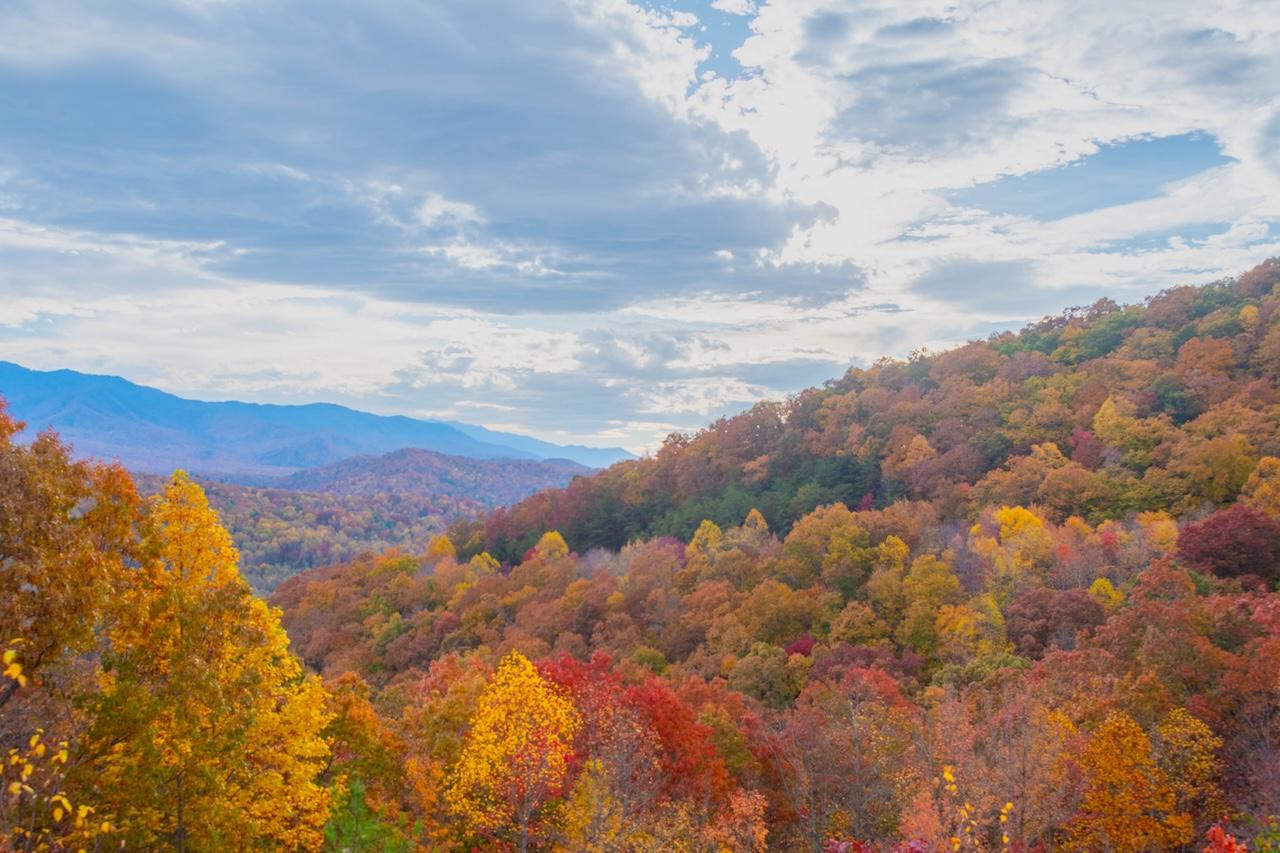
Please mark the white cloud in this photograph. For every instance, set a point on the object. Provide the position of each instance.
(435, 208)
(701, 397)
(493, 257)
(735, 7)
(876, 109)
(609, 159)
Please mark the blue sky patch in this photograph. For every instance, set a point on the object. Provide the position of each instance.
(1125, 172)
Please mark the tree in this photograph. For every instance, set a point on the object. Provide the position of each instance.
(1262, 490)
(1187, 753)
(515, 757)
(769, 674)
(618, 784)
(65, 530)
(353, 827)
(928, 586)
(1235, 541)
(1128, 805)
(1043, 618)
(844, 755)
(828, 543)
(207, 734)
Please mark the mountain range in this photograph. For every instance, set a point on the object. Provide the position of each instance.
(152, 431)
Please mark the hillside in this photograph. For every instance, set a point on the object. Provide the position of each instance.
(155, 432)
(1100, 411)
(1047, 618)
(488, 482)
(331, 514)
(280, 532)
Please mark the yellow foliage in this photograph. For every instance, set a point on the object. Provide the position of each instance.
(440, 547)
(1188, 754)
(1020, 554)
(593, 817)
(971, 630)
(1262, 490)
(892, 553)
(483, 564)
(705, 542)
(1159, 531)
(12, 667)
(37, 812)
(1129, 804)
(1105, 593)
(208, 729)
(551, 546)
(1014, 521)
(515, 755)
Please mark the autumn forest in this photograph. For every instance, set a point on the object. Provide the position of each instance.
(1020, 595)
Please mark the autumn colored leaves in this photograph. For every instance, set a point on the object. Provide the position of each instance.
(157, 697)
(516, 754)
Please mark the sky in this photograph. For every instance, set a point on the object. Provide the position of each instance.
(599, 221)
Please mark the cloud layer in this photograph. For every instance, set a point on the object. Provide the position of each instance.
(602, 221)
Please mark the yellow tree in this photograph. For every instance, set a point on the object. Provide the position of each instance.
(700, 553)
(1188, 753)
(1129, 804)
(65, 529)
(1020, 554)
(1262, 490)
(206, 734)
(515, 757)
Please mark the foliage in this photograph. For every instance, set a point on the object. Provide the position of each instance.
(892, 613)
(354, 827)
(1128, 802)
(150, 698)
(515, 757)
(206, 726)
(1235, 541)
(1097, 412)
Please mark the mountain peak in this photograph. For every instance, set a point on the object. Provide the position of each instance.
(154, 431)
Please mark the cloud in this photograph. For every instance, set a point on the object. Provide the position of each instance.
(435, 208)
(603, 220)
(734, 7)
(879, 110)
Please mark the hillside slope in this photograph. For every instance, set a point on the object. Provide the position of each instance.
(487, 482)
(152, 431)
(1048, 620)
(1108, 409)
(333, 513)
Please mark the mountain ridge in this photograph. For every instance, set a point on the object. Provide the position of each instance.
(412, 470)
(153, 431)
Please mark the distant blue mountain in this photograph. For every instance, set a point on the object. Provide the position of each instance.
(153, 431)
(594, 457)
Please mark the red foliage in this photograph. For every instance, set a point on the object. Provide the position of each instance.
(1086, 450)
(1232, 542)
(1042, 619)
(690, 765)
(1221, 842)
(802, 645)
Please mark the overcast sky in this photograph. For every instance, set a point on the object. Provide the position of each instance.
(598, 221)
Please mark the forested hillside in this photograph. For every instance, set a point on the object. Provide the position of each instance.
(1018, 596)
(280, 532)
(1097, 412)
(332, 513)
(488, 482)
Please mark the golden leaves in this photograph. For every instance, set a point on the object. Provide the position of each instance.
(516, 753)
